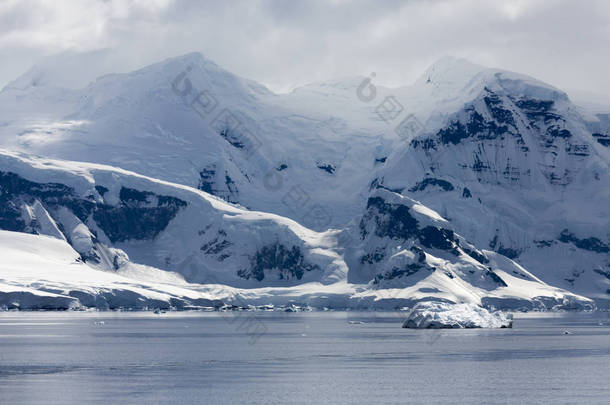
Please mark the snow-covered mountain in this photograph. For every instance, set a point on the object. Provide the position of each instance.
(110, 216)
(206, 128)
(520, 170)
(106, 237)
(182, 175)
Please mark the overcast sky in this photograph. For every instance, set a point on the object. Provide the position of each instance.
(288, 43)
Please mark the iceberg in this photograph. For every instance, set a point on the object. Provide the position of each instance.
(441, 315)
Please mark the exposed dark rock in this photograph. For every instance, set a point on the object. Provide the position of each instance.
(544, 243)
(603, 273)
(602, 139)
(233, 138)
(327, 167)
(15, 190)
(289, 263)
(495, 106)
(479, 165)
(491, 274)
(593, 244)
(535, 109)
(498, 247)
(475, 127)
(577, 150)
(211, 182)
(423, 143)
(422, 185)
(232, 188)
(392, 221)
(10, 215)
(475, 255)
(373, 257)
(510, 172)
(493, 242)
(101, 190)
(223, 256)
(405, 271)
(554, 131)
(439, 238)
(509, 252)
(206, 179)
(139, 215)
(216, 246)
(421, 255)
(396, 222)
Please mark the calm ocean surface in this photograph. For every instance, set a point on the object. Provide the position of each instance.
(284, 358)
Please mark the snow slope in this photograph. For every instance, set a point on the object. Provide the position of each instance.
(42, 272)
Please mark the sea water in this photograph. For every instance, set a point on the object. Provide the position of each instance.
(304, 357)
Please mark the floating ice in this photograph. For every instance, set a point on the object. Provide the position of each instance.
(438, 315)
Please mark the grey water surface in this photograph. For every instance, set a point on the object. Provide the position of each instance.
(315, 357)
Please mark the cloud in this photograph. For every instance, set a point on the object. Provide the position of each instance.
(285, 43)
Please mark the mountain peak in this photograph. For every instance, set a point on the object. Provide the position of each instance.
(450, 75)
(192, 58)
(213, 74)
(70, 70)
(450, 69)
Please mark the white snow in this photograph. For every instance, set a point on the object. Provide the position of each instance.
(41, 272)
(49, 272)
